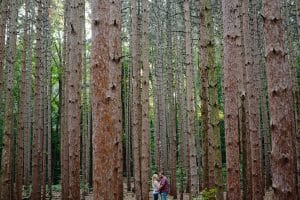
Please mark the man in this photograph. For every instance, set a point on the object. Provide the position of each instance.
(163, 186)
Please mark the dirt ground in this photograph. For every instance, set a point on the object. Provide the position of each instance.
(127, 195)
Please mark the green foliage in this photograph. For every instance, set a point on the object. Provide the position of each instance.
(207, 194)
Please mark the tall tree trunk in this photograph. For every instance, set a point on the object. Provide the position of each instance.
(145, 140)
(106, 95)
(3, 19)
(64, 107)
(171, 104)
(48, 102)
(8, 134)
(74, 94)
(207, 164)
(22, 109)
(38, 110)
(28, 102)
(85, 138)
(206, 172)
(215, 168)
(190, 101)
(252, 75)
(136, 91)
(280, 98)
(231, 63)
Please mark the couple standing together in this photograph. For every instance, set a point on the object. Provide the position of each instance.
(160, 186)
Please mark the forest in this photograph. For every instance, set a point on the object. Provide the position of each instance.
(99, 96)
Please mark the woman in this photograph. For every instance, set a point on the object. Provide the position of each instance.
(155, 186)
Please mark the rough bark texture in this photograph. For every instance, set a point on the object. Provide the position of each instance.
(22, 109)
(252, 87)
(28, 111)
(215, 169)
(106, 96)
(64, 100)
(3, 18)
(206, 174)
(190, 101)
(171, 104)
(145, 140)
(280, 100)
(136, 106)
(8, 128)
(38, 111)
(231, 63)
(73, 110)
(298, 15)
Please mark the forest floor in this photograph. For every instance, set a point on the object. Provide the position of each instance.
(56, 195)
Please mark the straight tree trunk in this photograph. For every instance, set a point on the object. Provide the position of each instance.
(74, 95)
(38, 110)
(22, 109)
(231, 64)
(48, 103)
(206, 174)
(106, 96)
(28, 103)
(145, 139)
(3, 19)
(252, 75)
(136, 106)
(64, 99)
(8, 134)
(280, 99)
(190, 102)
(85, 138)
(215, 169)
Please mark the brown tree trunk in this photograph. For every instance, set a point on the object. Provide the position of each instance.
(106, 96)
(280, 98)
(64, 100)
(8, 128)
(28, 103)
(38, 110)
(252, 75)
(145, 139)
(190, 101)
(206, 173)
(73, 110)
(3, 18)
(231, 63)
(22, 109)
(136, 91)
(214, 138)
(85, 109)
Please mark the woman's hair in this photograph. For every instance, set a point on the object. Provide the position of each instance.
(154, 178)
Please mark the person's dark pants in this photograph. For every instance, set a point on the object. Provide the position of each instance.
(164, 196)
(155, 196)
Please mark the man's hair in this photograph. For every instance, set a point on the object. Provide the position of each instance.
(162, 173)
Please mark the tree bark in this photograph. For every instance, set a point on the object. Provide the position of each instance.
(3, 19)
(207, 173)
(38, 110)
(64, 107)
(8, 128)
(252, 74)
(74, 95)
(190, 101)
(280, 98)
(231, 63)
(106, 96)
(145, 140)
(22, 109)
